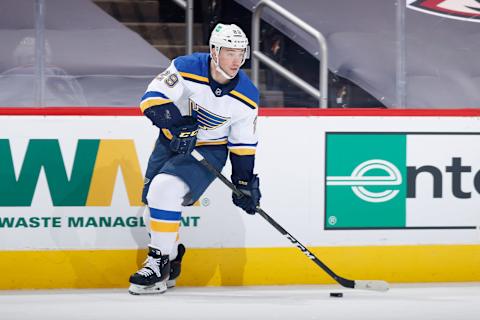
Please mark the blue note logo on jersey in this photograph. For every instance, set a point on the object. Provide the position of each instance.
(207, 119)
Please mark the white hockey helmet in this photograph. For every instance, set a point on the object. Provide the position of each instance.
(228, 36)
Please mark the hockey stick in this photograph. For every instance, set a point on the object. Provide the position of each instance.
(377, 285)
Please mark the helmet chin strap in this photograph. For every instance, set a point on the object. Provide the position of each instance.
(219, 69)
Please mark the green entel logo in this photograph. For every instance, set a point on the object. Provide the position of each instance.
(92, 179)
(365, 181)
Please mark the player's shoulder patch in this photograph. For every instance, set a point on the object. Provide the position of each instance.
(246, 92)
(193, 67)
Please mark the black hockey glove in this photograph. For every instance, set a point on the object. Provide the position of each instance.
(251, 191)
(184, 135)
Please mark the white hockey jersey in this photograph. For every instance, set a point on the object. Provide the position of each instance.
(226, 114)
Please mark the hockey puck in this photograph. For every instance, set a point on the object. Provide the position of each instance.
(336, 294)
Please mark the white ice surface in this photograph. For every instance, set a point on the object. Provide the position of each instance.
(457, 301)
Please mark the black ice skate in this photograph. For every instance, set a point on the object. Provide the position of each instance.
(152, 278)
(176, 267)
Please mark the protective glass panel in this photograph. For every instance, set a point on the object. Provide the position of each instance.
(392, 53)
(381, 53)
(71, 53)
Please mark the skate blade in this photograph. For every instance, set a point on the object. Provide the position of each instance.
(157, 288)
(171, 283)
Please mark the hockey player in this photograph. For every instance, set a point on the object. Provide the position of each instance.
(202, 101)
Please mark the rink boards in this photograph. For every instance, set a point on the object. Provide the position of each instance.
(392, 195)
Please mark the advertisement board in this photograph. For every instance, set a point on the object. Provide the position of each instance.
(390, 180)
(72, 185)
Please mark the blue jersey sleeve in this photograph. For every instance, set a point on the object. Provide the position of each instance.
(163, 116)
(242, 166)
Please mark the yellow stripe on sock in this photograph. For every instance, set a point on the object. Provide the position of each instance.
(157, 226)
(242, 152)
